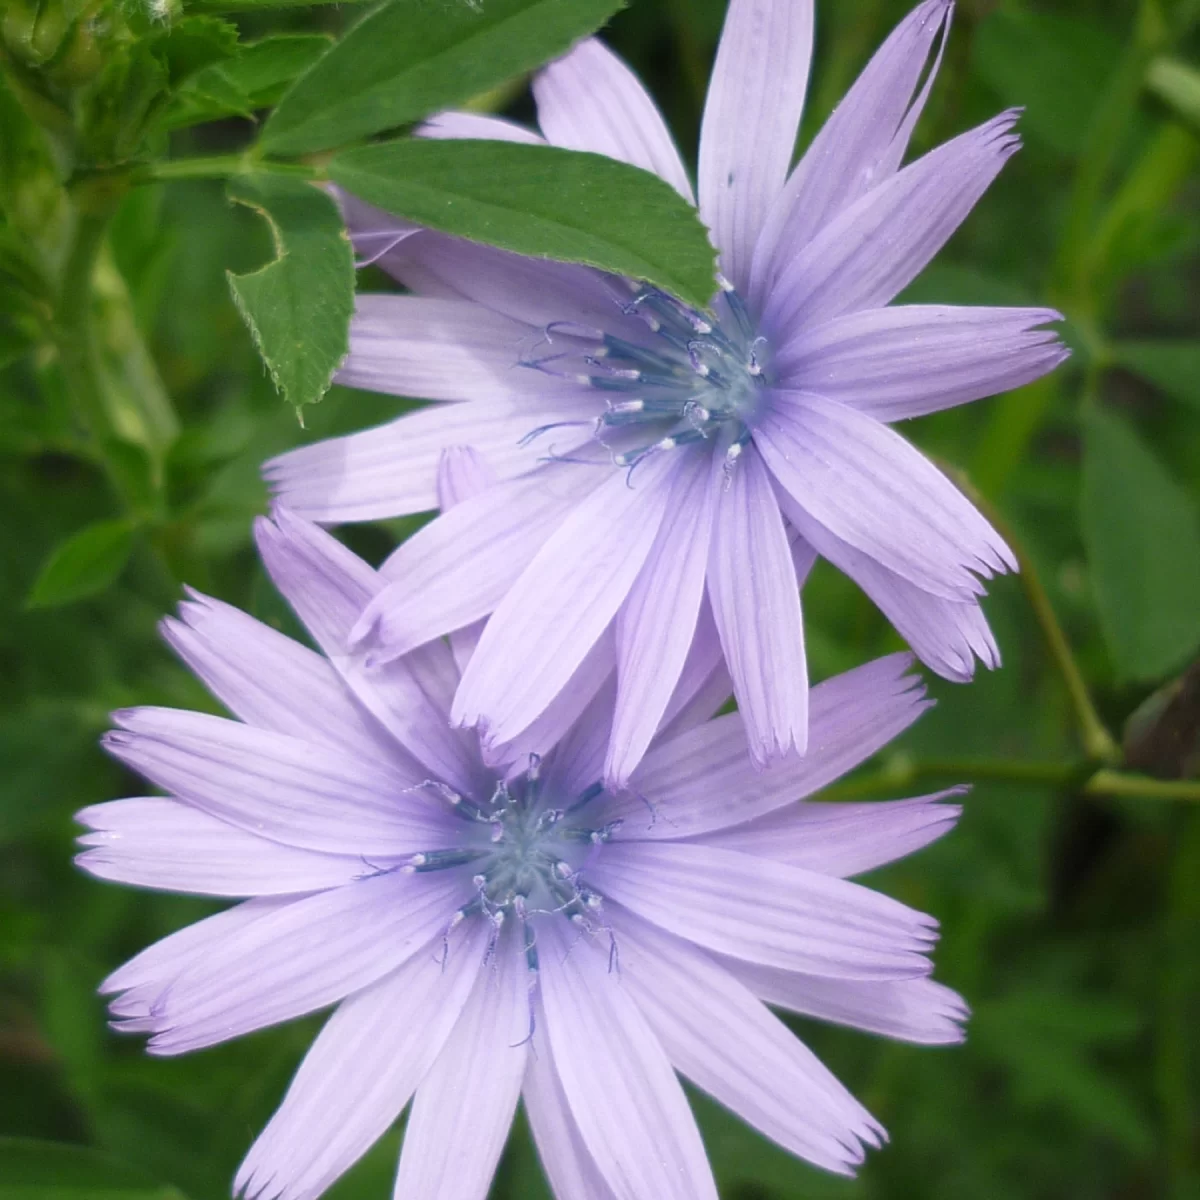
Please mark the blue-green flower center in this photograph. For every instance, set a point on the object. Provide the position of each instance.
(525, 853)
(699, 378)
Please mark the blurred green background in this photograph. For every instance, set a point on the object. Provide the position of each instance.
(1071, 918)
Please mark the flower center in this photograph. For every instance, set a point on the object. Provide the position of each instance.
(697, 379)
(526, 855)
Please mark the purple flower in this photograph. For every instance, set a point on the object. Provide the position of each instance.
(500, 928)
(744, 445)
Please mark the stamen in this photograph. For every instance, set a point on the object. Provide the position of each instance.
(694, 379)
(439, 860)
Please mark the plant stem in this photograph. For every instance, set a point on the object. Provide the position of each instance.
(96, 201)
(1083, 776)
(220, 166)
(1107, 782)
(1098, 743)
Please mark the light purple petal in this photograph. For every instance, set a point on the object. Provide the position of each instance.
(533, 290)
(272, 682)
(756, 603)
(579, 760)
(631, 1112)
(437, 349)
(279, 787)
(377, 235)
(154, 842)
(765, 912)
(546, 731)
(567, 1162)
(912, 1010)
(325, 582)
(874, 490)
(726, 1041)
(457, 569)
(391, 470)
(563, 601)
(704, 684)
(462, 473)
(702, 779)
(329, 586)
(804, 556)
(748, 135)
(305, 956)
(361, 1071)
(843, 839)
(945, 634)
(860, 145)
(590, 100)
(147, 973)
(883, 241)
(908, 360)
(452, 124)
(657, 623)
(411, 697)
(464, 1106)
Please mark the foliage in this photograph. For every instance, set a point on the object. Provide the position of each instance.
(135, 411)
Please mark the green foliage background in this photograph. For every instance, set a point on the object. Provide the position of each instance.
(1070, 914)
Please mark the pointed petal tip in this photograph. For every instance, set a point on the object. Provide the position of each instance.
(363, 631)
(265, 534)
(115, 741)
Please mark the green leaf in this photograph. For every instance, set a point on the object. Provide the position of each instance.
(36, 1170)
(298, 306)
(1056, 66)
(1136, 228)
(86, 563)
(32, 199)
(541, 201)
(120, 105)
(1171, 366)
(252, 6)
(1143, 542)
(256, 78)
(192, 44)
(1178, 85)
(413, 57)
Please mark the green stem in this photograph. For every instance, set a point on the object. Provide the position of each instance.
(1107, 782)
(96, 202)
(1083, 776)
(1098, 743)
(220, 166)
